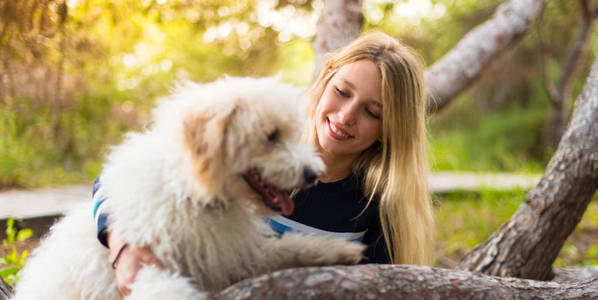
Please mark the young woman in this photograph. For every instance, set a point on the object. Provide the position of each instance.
(367, 118)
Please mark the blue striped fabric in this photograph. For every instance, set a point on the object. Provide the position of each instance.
(281, 225)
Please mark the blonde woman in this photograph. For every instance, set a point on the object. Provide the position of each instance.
(367, 119)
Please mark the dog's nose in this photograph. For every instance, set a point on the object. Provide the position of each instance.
(310, 175)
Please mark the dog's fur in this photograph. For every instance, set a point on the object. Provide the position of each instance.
(179, 188)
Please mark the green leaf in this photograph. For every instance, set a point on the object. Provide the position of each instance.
(9, 223)
(24, 234)
(24, 256)
(5, 272)
(12, 258)
(10, 235)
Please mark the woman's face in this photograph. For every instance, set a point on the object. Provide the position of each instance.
(349, 114)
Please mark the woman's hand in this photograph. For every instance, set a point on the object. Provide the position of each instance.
(129, 261)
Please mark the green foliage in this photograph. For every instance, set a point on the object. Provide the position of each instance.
(465, 137)
(115, 60)
(13, 261)
(466, 219)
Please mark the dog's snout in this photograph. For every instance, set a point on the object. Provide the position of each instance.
(310, 175)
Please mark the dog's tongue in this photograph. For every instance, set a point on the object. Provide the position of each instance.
(286, 204)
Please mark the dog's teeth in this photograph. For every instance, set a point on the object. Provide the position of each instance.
(275, 200)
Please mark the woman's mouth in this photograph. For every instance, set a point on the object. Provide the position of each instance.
(336, 132)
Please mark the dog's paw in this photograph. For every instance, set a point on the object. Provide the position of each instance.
(308, 250)
(343, 252)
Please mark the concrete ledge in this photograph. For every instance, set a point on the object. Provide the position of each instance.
(444, 182)
(26, 204)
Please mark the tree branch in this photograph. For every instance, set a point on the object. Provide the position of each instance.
(482, 45)
(339, 24)
(544, 61)
(400, 282)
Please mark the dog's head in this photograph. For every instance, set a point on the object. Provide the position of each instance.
(242, 135)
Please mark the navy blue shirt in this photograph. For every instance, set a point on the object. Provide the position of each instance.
(337, 209)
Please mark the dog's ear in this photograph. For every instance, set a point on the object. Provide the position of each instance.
(204, 135)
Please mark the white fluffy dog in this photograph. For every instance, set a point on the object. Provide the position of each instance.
(193, 188)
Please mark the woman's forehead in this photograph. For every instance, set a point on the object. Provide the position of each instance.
(362, 76)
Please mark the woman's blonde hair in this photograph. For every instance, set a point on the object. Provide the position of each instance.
(395, 170)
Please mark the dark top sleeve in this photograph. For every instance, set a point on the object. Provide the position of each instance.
(375, 251)
(101, 218)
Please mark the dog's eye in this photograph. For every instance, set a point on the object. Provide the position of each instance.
(272, 136)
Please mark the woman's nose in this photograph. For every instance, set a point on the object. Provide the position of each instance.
(346, 114)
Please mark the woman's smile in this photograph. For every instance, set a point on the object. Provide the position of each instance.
(337, 132)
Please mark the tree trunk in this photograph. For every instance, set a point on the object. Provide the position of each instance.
(465, 62)
(527, 245)
(400, 282)
(339, 24)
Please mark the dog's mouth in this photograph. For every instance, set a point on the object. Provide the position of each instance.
(275, 198)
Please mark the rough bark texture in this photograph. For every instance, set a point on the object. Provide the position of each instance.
(575, 274)
(482, 45)
(339, 24)
(400, 282)
(527, 245)
(5, 290)
(575, 57)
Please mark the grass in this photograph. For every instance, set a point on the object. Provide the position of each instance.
(467, 138)
(467, 219)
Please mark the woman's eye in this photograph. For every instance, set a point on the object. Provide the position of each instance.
(341, 92)
(372, 114)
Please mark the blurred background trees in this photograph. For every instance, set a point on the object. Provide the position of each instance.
(75, 74)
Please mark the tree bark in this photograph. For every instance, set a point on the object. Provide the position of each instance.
(339, 24)
(481, 46)
(5, 290)
(400, 282)
(527, 245)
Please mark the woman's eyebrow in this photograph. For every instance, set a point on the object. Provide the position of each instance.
(352, 86)
(349, 83)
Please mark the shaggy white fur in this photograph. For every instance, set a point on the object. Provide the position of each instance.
(188, 188)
